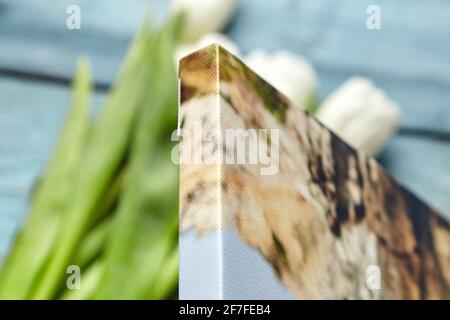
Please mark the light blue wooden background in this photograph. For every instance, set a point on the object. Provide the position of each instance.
(409, 58)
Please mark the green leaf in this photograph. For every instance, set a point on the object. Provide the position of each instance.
(49, 204)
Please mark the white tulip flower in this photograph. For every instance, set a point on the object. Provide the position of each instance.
(360, 114)
(210, 38)
(204, 16)
(289, 73)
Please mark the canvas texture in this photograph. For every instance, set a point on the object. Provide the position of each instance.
(320, 220)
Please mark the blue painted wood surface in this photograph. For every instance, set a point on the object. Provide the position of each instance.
(409, 58)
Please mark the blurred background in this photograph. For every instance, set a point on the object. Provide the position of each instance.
(408, 58)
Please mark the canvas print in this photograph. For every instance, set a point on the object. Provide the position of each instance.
(274, 205)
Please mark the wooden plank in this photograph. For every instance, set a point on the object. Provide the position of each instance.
(422, 104)
(422, 165)
(407, 57)
(30, 117)
(411, 42)
(34, 36)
